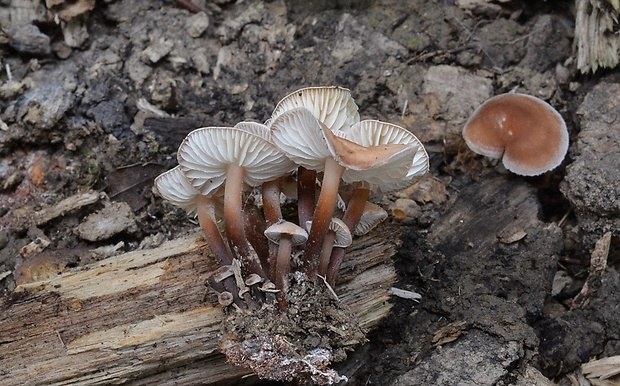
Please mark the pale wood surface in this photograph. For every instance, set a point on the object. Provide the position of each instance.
(146, 317)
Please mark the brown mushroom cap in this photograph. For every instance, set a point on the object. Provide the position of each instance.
(276, 231)
(527, 133)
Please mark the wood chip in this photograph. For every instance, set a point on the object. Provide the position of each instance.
(513, 237)
(449, 333)
(598, 263)
(404, 294)
(603, 369)
(68, 204)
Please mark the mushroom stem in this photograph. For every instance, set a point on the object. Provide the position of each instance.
(322, 216)
(273, 214)
(352, 215)
(306, 192)
(233, 216)
(326, 252)
(255, 229)
(271, 201)
(283, 263)
(206, 218)
(355, 206)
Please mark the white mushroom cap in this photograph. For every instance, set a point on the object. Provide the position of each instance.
(343, 235)
(308, 142)
(373, 215)
(400, 172)
(300, 135)
(206, 153)
(174, 187)
(333, 106)
(256, 129)
(277, 230)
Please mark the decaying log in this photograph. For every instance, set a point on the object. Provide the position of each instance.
(146, 317)
(596, 34)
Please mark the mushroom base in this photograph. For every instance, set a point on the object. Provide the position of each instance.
(298, 343)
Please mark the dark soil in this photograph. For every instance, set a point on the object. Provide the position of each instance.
(109, 118)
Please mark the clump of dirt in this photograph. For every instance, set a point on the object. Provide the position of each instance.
(298, 343)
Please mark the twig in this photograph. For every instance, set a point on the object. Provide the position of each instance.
(329, 288)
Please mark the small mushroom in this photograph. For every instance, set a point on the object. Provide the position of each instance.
(372, 216)
(286, 235)
(174, 187)
(527, 133)
(213, 156)
(222, 280)
(225, 298)
(338, 236)
(253, 282)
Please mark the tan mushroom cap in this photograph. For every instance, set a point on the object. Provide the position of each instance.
(225, 299)
(343, 235)
(392, 176)
(277, 230)
(373, 215)
(253, 279)
(527, 133)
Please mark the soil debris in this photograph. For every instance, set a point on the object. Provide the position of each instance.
(301, 343)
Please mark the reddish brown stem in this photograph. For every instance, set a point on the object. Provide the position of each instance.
(233, 217)
(326, 252)
(271, 201)
(255, 231)
(273, 214)
(351, 217)
(322, 216)
(283, 264)
(306, 194)
(206, 218)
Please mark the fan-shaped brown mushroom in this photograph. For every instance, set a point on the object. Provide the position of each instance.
(527, 133)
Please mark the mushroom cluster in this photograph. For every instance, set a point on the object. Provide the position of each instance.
(314, 149)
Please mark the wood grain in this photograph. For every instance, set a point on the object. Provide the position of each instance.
(146, 317)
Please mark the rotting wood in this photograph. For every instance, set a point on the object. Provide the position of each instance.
(146, 317)
(598, 264)
(49, 213)
(498, 208)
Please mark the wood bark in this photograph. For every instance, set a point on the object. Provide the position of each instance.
(146, 317)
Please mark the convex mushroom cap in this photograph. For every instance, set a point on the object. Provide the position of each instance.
(297, 234)
(527, 133)
(343, 237)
